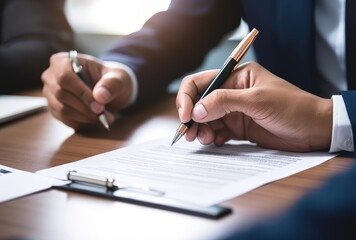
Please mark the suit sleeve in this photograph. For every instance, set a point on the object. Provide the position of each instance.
(174, 42)
(31, 31)
(328, 213)
(350, 103)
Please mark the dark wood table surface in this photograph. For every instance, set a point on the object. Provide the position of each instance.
(39, 141)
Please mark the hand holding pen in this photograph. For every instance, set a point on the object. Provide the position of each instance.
(234, 59)
(78, 69)
(73, 102)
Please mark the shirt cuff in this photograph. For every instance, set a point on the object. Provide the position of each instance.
(132, 76)
(342, 138)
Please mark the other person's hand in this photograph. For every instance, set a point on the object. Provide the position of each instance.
(71, 101)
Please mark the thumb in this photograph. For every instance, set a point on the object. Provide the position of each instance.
(103, 90)
(220, 103)
(110, 87)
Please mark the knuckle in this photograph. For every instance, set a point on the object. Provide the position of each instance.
(59, 94)
(44, 76)
(64, 77)
(257, 97)
(188, 88)
(59, 109)
(45, 92)
(177, 103)
(253, 65)
(257, 93)
(187, 79)
(53, 58)
(56, 110)
(85, 96)
(221, 98)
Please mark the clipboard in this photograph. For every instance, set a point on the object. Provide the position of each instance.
(105, 187)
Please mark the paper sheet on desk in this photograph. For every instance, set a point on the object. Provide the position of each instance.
(190, 172)
(15, 183)
(12, 107)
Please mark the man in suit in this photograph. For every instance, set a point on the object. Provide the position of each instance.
(175, 41)
(30, 32)
(292, 44)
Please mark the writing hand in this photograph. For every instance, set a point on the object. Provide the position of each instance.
(255, 105)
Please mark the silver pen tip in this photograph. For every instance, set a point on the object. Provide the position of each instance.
(104, 121)
(182, 129)
(177, 136)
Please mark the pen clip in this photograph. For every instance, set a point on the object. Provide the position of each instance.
(109, 183)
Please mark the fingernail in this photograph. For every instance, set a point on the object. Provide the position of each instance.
(110, 117)
(199, 112)
(180, 113)
(103, 93)
(201, 137)
(96, 107)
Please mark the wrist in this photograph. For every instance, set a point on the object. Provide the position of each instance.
(321, 131)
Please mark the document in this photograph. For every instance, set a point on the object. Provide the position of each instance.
(12, 107)
(15, 183)
(192, 173)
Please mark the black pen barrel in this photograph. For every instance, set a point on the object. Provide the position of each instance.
(221, 77)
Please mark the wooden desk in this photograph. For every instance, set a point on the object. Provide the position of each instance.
(40, 141)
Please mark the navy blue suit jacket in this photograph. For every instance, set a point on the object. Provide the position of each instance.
(328, 213)
(176, 41)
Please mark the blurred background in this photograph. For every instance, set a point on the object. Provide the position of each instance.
(98, 24)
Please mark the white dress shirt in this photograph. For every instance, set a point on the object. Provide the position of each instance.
(330, 61)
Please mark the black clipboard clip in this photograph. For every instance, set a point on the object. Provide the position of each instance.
(137, 194)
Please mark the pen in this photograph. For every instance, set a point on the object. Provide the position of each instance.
(78, 69)
(235, 57)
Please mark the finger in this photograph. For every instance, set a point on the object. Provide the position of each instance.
(222, 136)
(67, 98)
(191, 134)
(205, 134)
(244, 76)
(114, 87)
(67, 80)
(221, 132)
(217, 124)
(70, 82)
(191, 87)
(65, 113)
(220, 103)
(110, 117)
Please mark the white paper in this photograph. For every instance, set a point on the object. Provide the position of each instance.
(190, 172)
(15, 183)
(12, 107)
